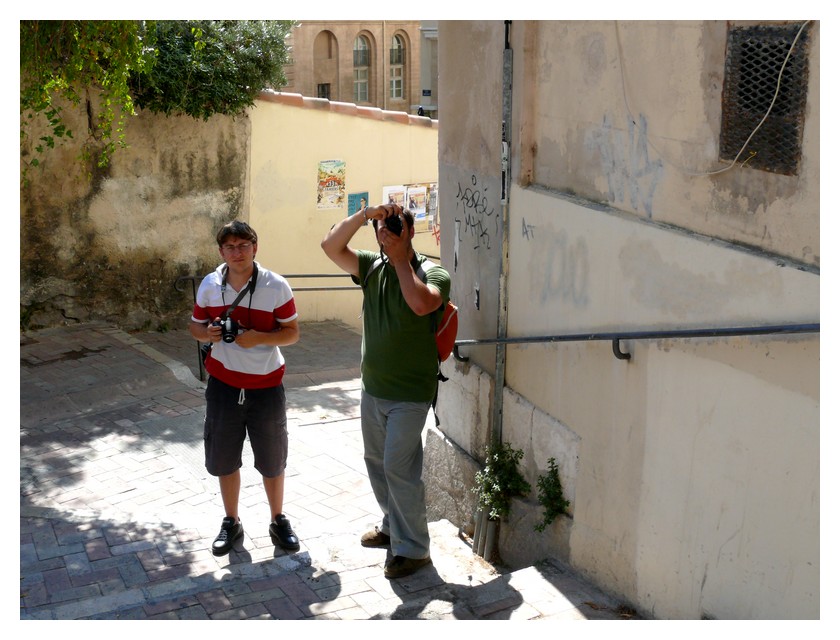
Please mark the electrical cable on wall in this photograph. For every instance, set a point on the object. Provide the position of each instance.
(758, 126)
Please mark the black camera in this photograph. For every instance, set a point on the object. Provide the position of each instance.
(230, 329)
(394, 224)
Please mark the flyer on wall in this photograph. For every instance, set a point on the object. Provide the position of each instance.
(357, 202)
(394, 194)
(331, 184)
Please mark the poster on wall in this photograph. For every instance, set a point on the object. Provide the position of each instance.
(394, 195)
(419, 198)
(431, 207)
(357, 201)
(417, 201)
(331, 184)
(417, 205)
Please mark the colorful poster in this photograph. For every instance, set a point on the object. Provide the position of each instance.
(331, 184)
(357, 201)
(419, 198)
(431, 207)
(394, 195)
(417, 202)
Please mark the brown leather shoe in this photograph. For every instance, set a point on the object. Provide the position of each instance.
(400, 566)
(376, 538)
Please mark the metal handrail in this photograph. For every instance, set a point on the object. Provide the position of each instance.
(615, 337)
(321, 275)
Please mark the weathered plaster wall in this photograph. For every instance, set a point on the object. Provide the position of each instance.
(629, 114)
(109, 246)
(682, 461)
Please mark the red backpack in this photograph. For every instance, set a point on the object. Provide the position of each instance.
(447, 330)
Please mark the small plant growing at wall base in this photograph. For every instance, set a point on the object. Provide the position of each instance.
(500, 480)
(550, 496)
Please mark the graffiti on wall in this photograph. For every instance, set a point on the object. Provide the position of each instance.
(527, 230)
(631, 174)
(563, 266)
(476, 220)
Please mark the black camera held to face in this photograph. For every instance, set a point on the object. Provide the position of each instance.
(230, 329)
(394, 224)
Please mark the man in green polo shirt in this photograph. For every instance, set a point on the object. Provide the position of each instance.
(399, 374)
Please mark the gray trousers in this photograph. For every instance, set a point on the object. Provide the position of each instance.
(392, 435)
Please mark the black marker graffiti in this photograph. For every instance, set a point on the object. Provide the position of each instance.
(478, 215)
(527, 230)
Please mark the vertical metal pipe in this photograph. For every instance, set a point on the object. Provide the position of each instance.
(488, 541)
(501, 327)
(481, 533)
(385, 53)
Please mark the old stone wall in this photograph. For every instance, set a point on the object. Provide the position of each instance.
(109, 243)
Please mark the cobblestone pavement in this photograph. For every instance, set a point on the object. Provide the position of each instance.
(117, 512)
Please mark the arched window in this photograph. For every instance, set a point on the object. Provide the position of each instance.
(361, 69)
(399, 57)
(325, 56)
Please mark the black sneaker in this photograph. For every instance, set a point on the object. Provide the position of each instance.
(282, 535)
(231, 532)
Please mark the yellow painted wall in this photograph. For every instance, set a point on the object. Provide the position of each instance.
(291, 135)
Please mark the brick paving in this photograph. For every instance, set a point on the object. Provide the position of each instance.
(117, 512)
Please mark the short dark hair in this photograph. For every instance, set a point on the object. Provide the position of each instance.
(237, 229)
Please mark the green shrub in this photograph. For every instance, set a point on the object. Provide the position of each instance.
(550, 496)
(500, 480)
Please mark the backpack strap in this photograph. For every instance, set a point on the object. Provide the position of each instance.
(373, 267)
(421, 271)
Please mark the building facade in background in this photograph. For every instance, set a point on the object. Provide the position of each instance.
(391, 65)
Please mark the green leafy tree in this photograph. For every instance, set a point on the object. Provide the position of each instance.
(61, 59)
(193, 67)
(207, 67)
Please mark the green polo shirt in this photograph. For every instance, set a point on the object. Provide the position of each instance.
(399, 355)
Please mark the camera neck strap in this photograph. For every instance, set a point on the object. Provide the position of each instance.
(252, 285)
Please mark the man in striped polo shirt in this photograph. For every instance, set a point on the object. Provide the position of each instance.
(245, 367)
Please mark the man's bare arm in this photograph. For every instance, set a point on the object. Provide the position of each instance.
(336, 243)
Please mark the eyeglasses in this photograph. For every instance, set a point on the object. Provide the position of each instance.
(243, 247)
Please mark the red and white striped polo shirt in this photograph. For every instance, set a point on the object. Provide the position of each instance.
(272, 302)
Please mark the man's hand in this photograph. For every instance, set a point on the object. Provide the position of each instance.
(214, 331)
(248, 338)
(396, 247)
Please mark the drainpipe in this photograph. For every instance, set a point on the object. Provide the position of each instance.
(501, 329)
(385, 55)
(485, 541)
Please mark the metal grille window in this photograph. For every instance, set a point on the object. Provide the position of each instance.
(754, 59)
(398, 51)
(361, 52)
(324, 91)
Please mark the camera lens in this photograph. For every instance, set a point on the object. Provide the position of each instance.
(229, 330)
(394, 224)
